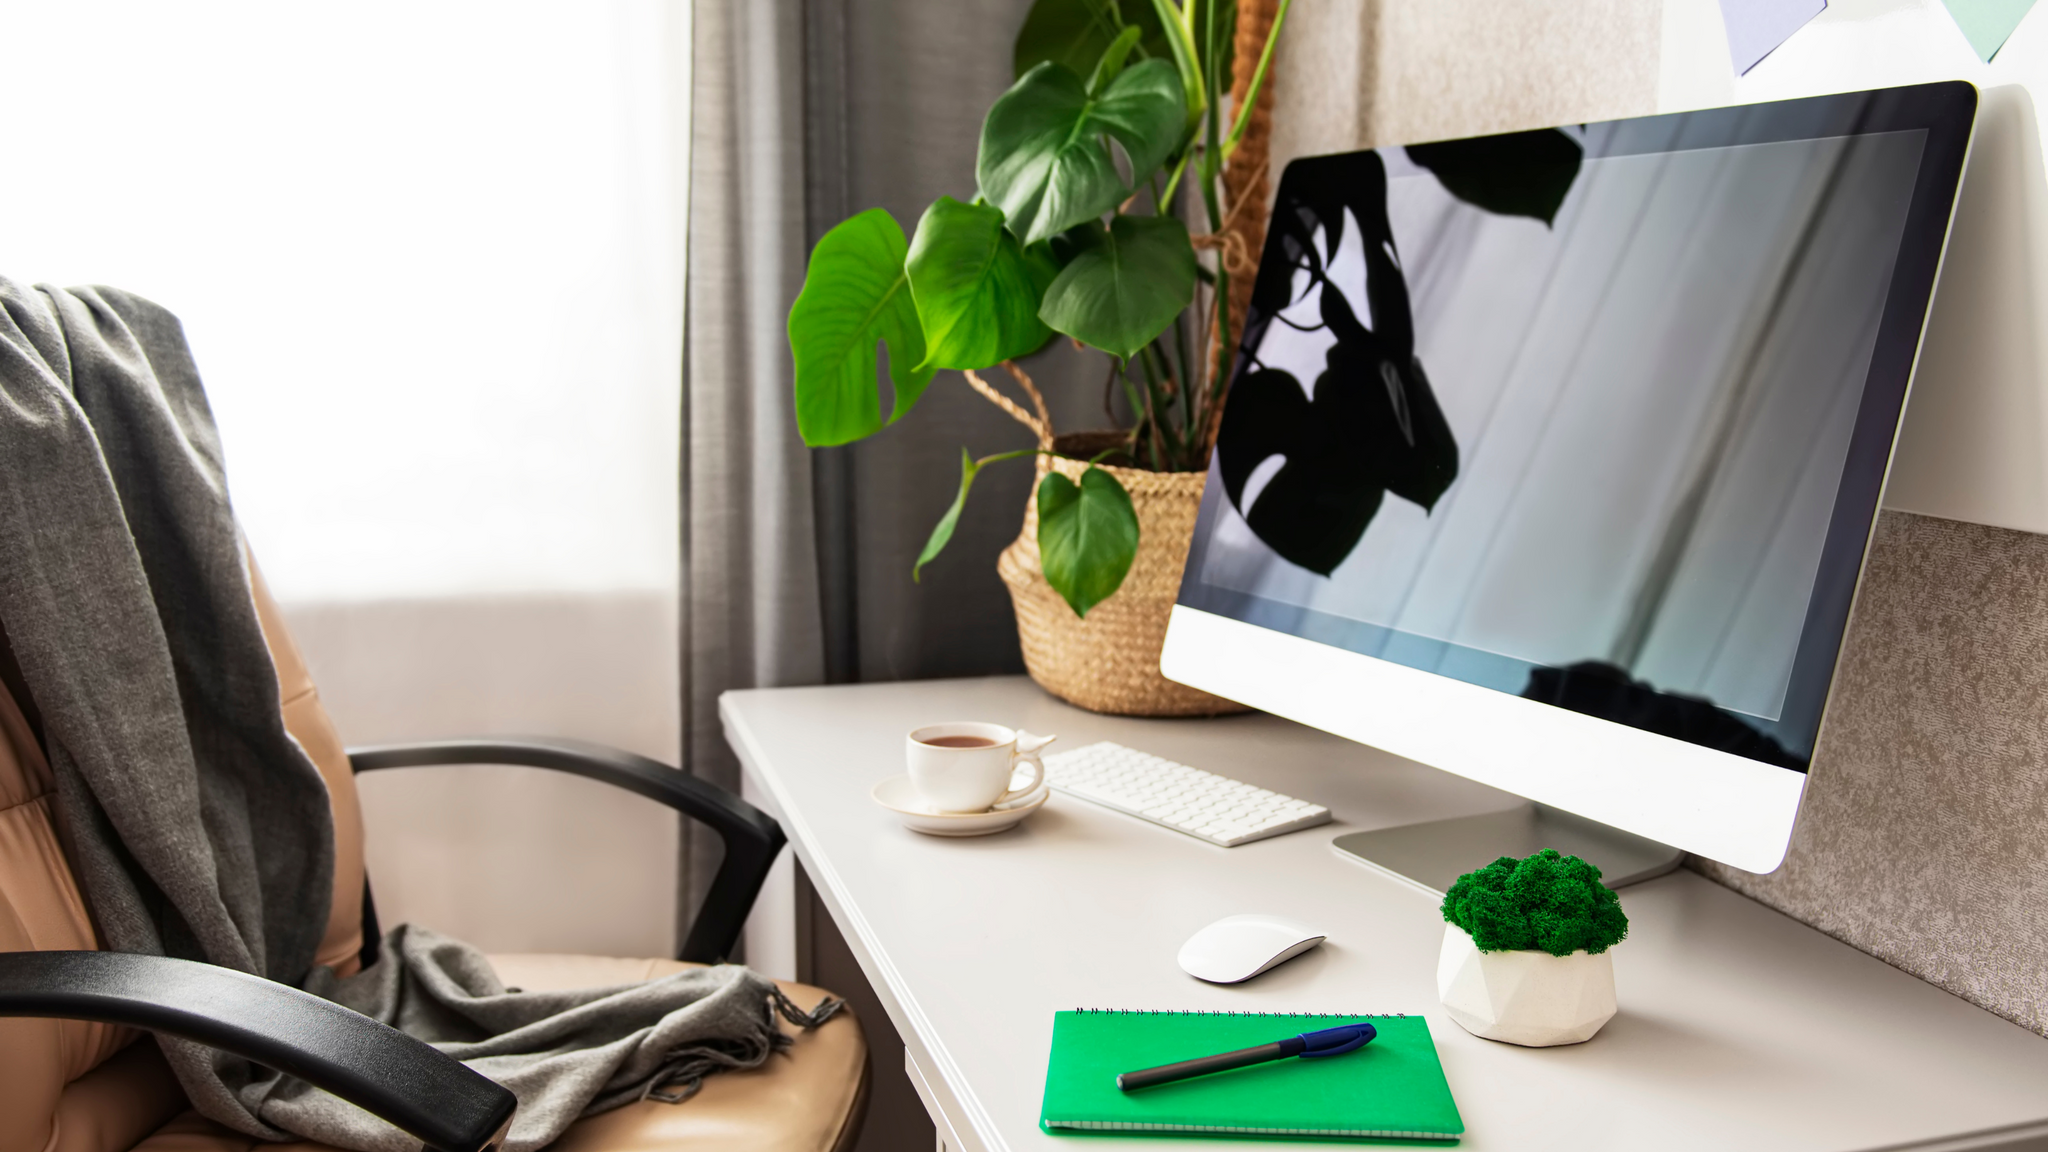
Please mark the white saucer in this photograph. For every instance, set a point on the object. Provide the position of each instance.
(898, 795)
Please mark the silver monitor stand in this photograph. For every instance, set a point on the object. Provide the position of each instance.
(1433, 854)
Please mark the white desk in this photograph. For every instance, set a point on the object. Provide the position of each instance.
(1739, 1027)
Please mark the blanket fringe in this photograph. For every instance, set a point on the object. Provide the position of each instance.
(826, 1009)
(683, 1076)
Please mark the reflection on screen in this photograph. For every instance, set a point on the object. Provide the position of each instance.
(1514, 411)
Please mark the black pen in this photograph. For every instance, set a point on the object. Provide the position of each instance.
(1328, 1042)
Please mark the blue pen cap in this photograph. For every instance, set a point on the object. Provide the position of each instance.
(1337, 1041)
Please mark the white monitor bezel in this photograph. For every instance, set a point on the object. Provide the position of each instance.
(1730, 808)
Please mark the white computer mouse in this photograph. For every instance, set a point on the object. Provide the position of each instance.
(1237, 948)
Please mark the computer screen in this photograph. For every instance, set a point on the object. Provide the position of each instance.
(1594, 417)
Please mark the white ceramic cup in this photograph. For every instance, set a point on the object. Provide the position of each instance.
(966, 766)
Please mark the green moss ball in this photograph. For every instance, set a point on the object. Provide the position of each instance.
(1547, 903)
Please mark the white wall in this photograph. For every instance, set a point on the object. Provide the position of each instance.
(512, 859)
(429, 257)
(1853, 44)
(1974, 443)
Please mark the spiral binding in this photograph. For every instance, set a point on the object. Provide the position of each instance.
(1201, 1012)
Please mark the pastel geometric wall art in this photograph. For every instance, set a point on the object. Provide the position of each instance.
(1988, 24)
(1757, 27)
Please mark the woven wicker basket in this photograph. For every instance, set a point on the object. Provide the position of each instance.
(1109, 661)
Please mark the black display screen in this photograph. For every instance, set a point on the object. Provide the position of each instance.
(1596, 416)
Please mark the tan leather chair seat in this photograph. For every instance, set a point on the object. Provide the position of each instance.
(800, 1101)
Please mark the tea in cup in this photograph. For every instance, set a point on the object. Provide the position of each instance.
(966, 766)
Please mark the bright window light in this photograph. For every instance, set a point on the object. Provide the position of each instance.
(429, 256)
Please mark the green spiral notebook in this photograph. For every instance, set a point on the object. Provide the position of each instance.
(1393, 1087)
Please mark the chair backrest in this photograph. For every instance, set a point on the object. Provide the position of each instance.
(48, 1102)
(307, 720)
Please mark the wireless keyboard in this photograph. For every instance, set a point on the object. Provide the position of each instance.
(1202, 804)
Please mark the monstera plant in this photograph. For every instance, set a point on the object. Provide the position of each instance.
(1113, 137)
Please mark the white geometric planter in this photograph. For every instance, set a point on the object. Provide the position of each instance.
(1528, 998)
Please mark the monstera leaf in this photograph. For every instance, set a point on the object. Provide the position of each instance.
(1043, 160)
(855, 296)
(1077, 32)
(977, 290)
(1122, 284)
(1516, 174)
(1087, 532)
(1087, 536)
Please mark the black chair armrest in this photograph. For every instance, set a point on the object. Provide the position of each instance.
(375, 1067)
(752, 837)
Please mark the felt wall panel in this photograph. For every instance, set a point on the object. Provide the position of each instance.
(1357, 73)
(1924, 835)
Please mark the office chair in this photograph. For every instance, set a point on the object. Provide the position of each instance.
(73, 1077)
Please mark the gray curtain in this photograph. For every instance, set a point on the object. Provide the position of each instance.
(796, 565)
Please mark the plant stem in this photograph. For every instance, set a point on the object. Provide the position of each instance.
(1223, 348)
(1154, 402)
(1191, 389)
(1219, 370)
(1136, 402)
(1209, 200)
(1173, 182)
(1205, 331)
(1170, 393)
(1212, 143)
(999, 457)
(1251, 98)
(1116, 16)
(1209, 109)
(1219, 305)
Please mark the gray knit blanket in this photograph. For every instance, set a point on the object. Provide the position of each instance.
(197, 827)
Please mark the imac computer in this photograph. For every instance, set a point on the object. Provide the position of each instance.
(1551, 460)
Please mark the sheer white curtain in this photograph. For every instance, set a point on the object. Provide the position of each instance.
(430, 258)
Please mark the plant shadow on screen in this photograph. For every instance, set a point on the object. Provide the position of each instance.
(1595, 688)
(1371, 424)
